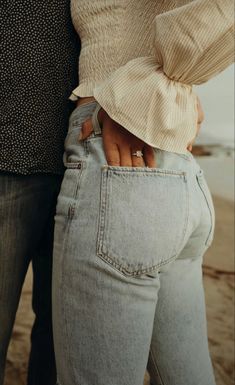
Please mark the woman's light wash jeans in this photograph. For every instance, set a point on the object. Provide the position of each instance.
(127, 285)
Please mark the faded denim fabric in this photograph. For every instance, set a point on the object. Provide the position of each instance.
(127, 277)
(27, 208)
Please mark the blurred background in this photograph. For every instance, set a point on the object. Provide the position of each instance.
(214, 150)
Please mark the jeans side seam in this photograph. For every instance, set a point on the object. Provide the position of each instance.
(156, 369)
(63, 307)
(200, 183)
(103, 213)
(186, 214)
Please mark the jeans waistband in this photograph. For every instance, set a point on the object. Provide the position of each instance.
(91, 109)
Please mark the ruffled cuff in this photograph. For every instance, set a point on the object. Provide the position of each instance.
(156, 109)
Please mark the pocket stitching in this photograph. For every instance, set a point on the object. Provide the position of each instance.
(139, 171)
(102, 215)
(103, 224)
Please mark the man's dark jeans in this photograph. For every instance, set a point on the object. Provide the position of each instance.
(27, 208)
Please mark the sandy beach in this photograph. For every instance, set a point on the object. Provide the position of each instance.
(219, 288)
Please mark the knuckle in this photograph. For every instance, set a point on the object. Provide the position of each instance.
(113, 161)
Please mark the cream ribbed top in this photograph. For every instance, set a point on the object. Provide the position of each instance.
(140, 58)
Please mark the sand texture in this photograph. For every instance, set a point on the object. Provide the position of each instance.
(219, 286)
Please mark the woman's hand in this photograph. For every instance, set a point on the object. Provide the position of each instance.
(120, 146)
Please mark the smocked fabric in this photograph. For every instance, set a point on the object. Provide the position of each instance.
(140, 60)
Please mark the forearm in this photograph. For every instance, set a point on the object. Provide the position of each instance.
(152, 97)
(195, 42)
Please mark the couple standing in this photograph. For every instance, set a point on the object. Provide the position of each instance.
(134, 215)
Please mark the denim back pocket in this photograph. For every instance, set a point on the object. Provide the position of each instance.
(143, 218)
(209, 202)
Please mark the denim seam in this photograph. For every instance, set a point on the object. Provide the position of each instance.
(82, 143)
(156, 368)
(140, 171)
(67, 345)
(102, 215)
(186, 215)
(102, 224)
(200, 183)
(77, 186)
(62, 281)
(86, 147)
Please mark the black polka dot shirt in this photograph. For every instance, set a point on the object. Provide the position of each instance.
(38, 71)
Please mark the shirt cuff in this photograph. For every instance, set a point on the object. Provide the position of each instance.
(156, 109)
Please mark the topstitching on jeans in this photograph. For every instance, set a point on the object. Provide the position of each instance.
(103, 214)
(62, 294)
(156, 369)
(140, 171)
(201, 182)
